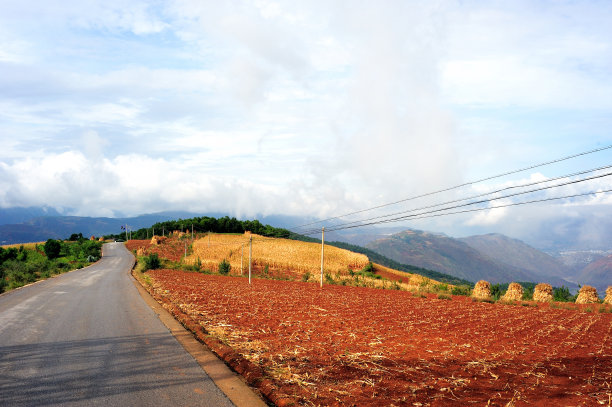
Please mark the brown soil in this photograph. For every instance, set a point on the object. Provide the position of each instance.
(350, 346)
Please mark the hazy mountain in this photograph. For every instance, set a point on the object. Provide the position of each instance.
(516, 253)
(445, 254)
(13, 216)
(597, 274)
(41, 228)
(455, 257)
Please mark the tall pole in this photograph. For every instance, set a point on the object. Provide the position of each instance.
(241, 257)
(126, 232)
(250, 256)
(322, 252)
(192, 231)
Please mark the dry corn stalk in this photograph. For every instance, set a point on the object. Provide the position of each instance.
(514, 293)
(543, 293)
(587, 295)
(482, 290)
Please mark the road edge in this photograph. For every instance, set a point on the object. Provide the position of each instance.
(230, 383)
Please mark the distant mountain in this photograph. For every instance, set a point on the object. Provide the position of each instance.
(597, 274)
(516, 253)
(457, 258)
(41, 228)
(13, 216)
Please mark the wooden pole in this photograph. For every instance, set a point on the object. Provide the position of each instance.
(250, 256)
(241, 257)
(322, 252)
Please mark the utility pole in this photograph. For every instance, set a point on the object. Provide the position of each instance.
(250, 256)
(241, 257)
(322, 252)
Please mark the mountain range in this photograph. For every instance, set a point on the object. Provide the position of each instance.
(495, 258)
(492, 257)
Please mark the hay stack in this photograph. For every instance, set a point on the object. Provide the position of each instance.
(587, 295)
(141, 251)
(92, 238)
(543, 293)
(482, 290)
(514, 293)
(101, 239)
(155, 240)
(608, 299)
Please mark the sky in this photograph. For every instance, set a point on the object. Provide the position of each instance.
(316, 109)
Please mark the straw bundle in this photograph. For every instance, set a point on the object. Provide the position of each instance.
(92, 238)
(141, 251)
(482, 290)
(543, 293)
(587, 295)
(101, 239)
(608, 299)
(514, 293)
(155, 240)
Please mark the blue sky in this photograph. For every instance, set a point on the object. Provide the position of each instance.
(317, 108)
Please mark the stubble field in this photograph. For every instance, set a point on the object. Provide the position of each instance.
(304, 345)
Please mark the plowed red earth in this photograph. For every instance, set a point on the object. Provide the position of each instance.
(171, 249)
(360, 346)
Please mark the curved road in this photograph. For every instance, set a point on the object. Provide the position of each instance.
(87, 338)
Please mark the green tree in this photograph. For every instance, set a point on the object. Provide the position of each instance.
(224, 267)
(562, 294)
(52, 249)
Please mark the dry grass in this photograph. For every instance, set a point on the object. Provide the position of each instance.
(277, 254)
(30, 246)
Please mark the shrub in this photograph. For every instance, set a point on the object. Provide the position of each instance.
(52, 249)
(151, 262)
(441, 287)
(562, 294)
(306, 276)
(224, 267)
(461, 290)
(444, 297)
(369, 268)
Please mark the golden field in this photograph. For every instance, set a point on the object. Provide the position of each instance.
(277, 254)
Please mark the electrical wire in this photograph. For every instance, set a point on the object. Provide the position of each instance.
(491, 193)
(429, 215)
(457, 186)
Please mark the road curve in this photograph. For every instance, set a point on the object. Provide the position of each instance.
(87, 338)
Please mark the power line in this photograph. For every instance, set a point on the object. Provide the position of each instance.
(490, 193)
(429, 215)
(459, 186)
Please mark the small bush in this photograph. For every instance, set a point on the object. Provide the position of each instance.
(441, 287)
(306, 276)
(52, 249)
(224, 267)
(444, 297)
(461, 290)
(152, 262)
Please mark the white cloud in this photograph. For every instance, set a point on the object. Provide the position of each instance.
(316, 108)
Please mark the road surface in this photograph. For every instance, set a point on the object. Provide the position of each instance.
(87, 338)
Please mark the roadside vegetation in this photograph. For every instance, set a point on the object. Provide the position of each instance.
(26, 264)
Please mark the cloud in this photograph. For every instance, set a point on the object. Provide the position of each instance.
(316, 108)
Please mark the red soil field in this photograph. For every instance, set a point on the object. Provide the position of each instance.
(303, 345)
(171, 249)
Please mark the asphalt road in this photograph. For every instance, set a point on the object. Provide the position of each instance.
(87, 338)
